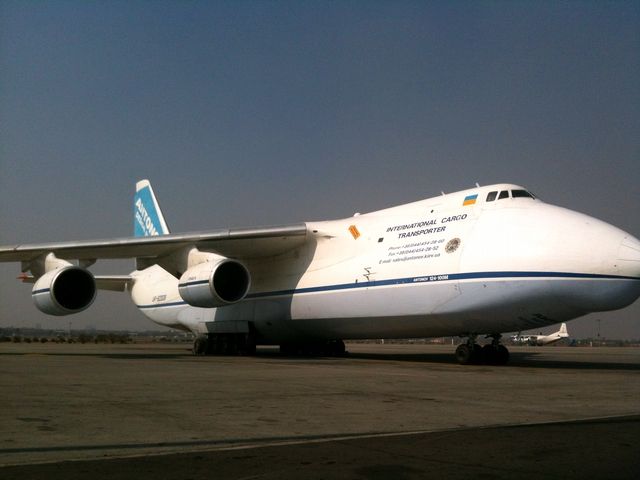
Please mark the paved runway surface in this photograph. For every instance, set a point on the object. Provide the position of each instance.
(386, 411)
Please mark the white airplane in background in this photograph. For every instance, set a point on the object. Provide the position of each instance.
(477, 262)
(540, 340)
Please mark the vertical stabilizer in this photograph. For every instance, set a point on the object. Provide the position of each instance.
(147, 217)
(563, 330)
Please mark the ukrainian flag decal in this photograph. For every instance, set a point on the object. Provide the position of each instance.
(470, 200)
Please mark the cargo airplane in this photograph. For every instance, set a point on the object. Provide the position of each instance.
(473, 263)
(540, 340)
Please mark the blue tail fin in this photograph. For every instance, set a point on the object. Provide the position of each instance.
(148, 219)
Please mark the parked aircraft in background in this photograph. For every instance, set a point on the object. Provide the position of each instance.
(540, 340)
(476, 262)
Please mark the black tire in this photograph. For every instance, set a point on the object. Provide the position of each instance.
(338, 348)
(232, 344)
(464, 354)
(219, 344)
(200, 345)
(489, 354)
(476, 354)
(502, 355)
(250, 346)
(246, 344)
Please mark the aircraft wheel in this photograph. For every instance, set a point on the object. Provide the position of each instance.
(200, 345)
(495, 354)
(250, 346)
(339, 350)
(231, 344)
(469, 354)
(476, 355)
(219, 345)
(502, 355)
(489, 354)
(464, 354)
(246, 344)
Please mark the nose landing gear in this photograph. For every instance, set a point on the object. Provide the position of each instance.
(469, 353)
(494, 353)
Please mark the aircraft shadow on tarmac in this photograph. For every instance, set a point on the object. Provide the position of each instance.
(517, 359)
(114, 356)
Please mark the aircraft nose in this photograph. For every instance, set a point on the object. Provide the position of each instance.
(624, 286)
(628, 259)
(619, 271)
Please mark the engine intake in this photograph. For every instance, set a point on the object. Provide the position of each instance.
(64, 291)
(214, 283)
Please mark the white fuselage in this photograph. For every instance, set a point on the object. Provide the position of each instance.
(430, 268)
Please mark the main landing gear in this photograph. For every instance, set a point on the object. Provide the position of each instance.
(493, 353)
(225, 344)
(245, 344)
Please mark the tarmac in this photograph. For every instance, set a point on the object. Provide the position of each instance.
(384, 411)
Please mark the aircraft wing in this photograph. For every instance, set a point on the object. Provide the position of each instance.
(239, 243)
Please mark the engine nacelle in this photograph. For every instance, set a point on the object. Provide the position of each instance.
(64, 291)
(215, 283)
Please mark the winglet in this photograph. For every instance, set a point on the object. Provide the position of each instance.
(148, 219)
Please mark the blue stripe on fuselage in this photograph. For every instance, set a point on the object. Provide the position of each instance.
(413, 280)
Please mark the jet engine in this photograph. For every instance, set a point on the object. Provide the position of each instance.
(64, 291)
(214, 283)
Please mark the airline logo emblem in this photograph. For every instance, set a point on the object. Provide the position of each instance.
(146, 222)
(470, 200)
(354, 232)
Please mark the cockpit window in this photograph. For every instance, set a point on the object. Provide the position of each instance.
(491, 196)
(521, 194)
(503, 194)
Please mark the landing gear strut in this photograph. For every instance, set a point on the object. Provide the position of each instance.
(493, 353)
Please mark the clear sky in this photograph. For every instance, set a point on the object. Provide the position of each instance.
(248, 113)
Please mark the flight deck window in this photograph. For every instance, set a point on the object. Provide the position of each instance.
(521, 194)
(503, 194)
(491, 196)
